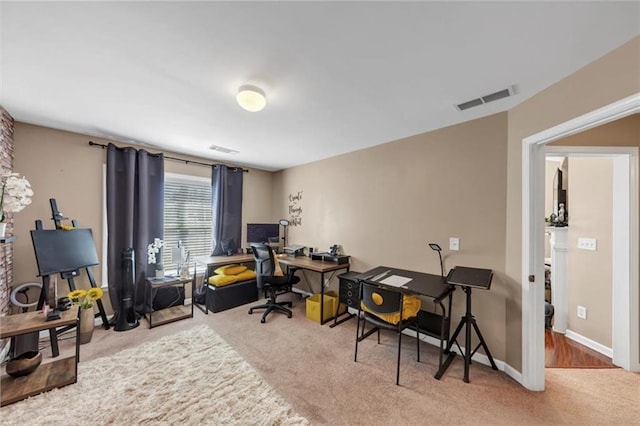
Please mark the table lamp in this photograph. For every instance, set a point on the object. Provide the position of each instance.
(436, 247)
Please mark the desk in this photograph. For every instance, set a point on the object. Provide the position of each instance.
(421, 284)
(320, 266)
(215, 261)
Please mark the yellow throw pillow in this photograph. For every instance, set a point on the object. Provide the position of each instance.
(222, 280)
(246, 275)
(230, 269)
(410, 307)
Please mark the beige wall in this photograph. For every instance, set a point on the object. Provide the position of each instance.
(384, 204)
(63, 166)
(589, 272)
(613, 77)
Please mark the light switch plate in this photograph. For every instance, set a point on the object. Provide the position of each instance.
(587, 244)
(582, 312)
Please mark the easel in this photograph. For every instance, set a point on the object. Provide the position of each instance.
(69, 276)
(467, 278)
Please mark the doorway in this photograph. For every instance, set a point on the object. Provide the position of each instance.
(578, 277)
(626, 293)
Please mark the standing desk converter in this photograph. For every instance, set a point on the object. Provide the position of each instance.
(421, 284)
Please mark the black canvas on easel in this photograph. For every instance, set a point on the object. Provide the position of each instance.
(467, 279)
(66, 253)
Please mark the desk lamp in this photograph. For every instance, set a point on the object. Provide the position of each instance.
(284, 223)
(436, 247)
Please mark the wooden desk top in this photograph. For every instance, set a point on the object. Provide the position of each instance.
(28, 322)
(224, 260)
(311, 265)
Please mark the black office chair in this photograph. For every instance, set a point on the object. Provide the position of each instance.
(383, 301)
(271, 284)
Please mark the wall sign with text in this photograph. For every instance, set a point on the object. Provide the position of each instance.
(295, 208)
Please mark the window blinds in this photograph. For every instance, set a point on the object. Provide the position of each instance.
(187, 217)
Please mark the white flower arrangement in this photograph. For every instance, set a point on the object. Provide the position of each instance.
(16, 194)
(153, 253)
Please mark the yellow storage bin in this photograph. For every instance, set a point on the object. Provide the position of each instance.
(313, 307)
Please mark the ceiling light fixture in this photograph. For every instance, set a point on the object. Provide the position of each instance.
(251, 98)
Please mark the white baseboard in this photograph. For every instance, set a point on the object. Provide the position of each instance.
(591, 344)
(513, 373)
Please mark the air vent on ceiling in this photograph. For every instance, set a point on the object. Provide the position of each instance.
(500, 94)
(223, 150)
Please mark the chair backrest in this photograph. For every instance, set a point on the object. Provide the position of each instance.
(263, 256)
(380, 300)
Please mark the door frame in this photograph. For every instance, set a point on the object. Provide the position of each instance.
(533, 168)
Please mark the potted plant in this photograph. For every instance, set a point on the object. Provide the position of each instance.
(15, 196)
(84, 300)
(154, 257)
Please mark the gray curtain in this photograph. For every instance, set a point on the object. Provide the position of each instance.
(226, 208)
(135, 214)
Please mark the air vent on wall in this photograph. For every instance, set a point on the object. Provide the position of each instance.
(500, 94)
(223, 150)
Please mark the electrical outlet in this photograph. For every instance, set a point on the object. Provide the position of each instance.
(454, 244)
(587, 244)
(582, 312)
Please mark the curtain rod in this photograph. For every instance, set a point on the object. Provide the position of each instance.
(91, 143)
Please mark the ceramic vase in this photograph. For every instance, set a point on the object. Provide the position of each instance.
(86, 325)
(159, 273)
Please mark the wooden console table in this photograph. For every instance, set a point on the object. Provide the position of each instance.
(47, 376)
(173, 313)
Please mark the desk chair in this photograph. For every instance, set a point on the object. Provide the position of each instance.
(272, 285)
(376, 301)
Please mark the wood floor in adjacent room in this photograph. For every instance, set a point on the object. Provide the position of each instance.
(562, 352)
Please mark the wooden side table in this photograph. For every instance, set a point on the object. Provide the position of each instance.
(173, 313)
(47, 376)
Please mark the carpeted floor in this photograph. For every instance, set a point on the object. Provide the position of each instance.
(155, 384)
(312, 368)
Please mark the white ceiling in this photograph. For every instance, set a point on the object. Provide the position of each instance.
(338, 76)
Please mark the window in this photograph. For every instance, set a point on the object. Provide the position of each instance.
(187, 216)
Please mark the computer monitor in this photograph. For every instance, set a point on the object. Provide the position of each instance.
(263, 233)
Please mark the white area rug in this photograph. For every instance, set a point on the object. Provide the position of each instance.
(193, 377)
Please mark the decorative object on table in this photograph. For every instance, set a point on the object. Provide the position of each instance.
(154, 256)
(184, 269)
(24, 364)
(15, 196)
(84, 299)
